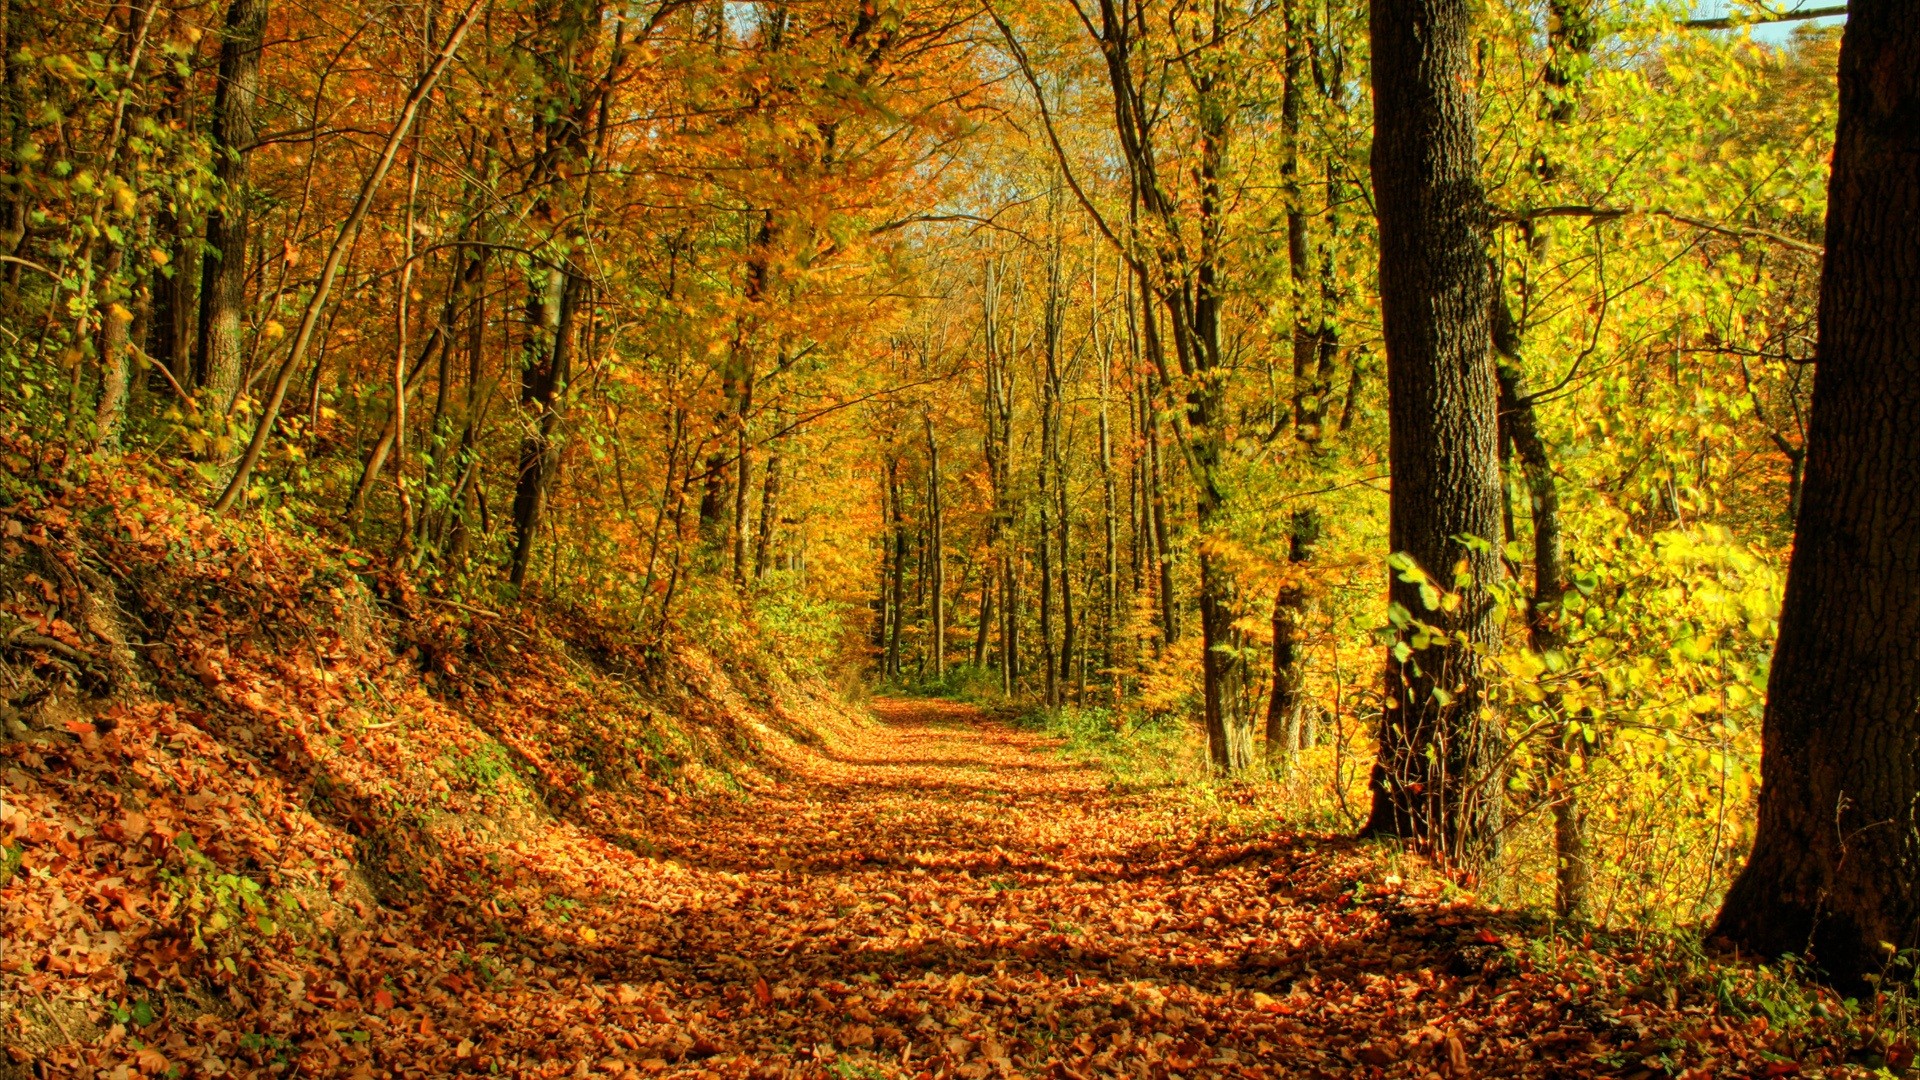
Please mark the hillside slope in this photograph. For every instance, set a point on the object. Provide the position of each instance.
(258, 790)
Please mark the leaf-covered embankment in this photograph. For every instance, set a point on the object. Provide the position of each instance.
(260, 793)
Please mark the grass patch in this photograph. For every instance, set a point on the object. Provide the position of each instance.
(1135, 750)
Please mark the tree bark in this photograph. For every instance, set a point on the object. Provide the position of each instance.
(936, 558)
(1437, 779)
(769, 513)
(1287, 704)
(543, 395)
(899, 568)
(1834, 872)
(1545, 636)
(169, 341)
(218, 357)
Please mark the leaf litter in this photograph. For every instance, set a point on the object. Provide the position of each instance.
(303, 852)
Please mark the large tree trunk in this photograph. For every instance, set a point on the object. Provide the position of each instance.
(1834, 871)
(1437, 778)
(218, 357)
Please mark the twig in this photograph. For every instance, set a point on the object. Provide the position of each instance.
(1603, 213)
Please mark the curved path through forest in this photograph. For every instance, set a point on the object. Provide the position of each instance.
(942, 895)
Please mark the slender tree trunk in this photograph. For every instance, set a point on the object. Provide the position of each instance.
(468, 460)
(1437, 779)
(13, 105)
(769, 512)
(1044, 549)
(883, 603)
(543, 394)
(936, 557)
(982, 627)
(112, 410)
(1299, 268)
(169, 339)
(218, 358)
(1544, 635)
(1010, 624)
(1110, 569)
(1834, 872)
(1162, 538)
(1287, 705)
(899, 568)
(743, 463)
(1069, 628)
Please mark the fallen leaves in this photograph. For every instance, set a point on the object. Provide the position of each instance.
(303, 861)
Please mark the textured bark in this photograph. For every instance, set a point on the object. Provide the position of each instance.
(769, 512)
(1835, 868)
(543, 395)
(1436, 779)
(899, 584)
(169, 337)
(1162, 539)
(1299, 268)
(1287, 707)
(14, 28)
(743, 462)
(218, 357)
(115, 319)
(936, 557)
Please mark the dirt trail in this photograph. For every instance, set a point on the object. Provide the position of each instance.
(943, 895)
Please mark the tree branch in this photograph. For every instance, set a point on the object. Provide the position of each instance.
(1602, 213)
(1729, 22)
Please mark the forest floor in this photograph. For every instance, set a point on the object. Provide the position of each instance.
(944, 894)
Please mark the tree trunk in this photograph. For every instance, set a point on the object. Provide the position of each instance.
(543, 394)
(1109, 507)
(899, 569)
(1009, 624)
(1287, 705)
(1162, 540)
(169, 341)
(1437, 778)
(769, 513)
(114, 320)
(982, 627)
(1833, 871)
(1299, 269)
(936, 558)
(743, 463)
(1544, 634)
(218, 357)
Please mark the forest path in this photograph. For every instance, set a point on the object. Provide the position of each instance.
(943, 895)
